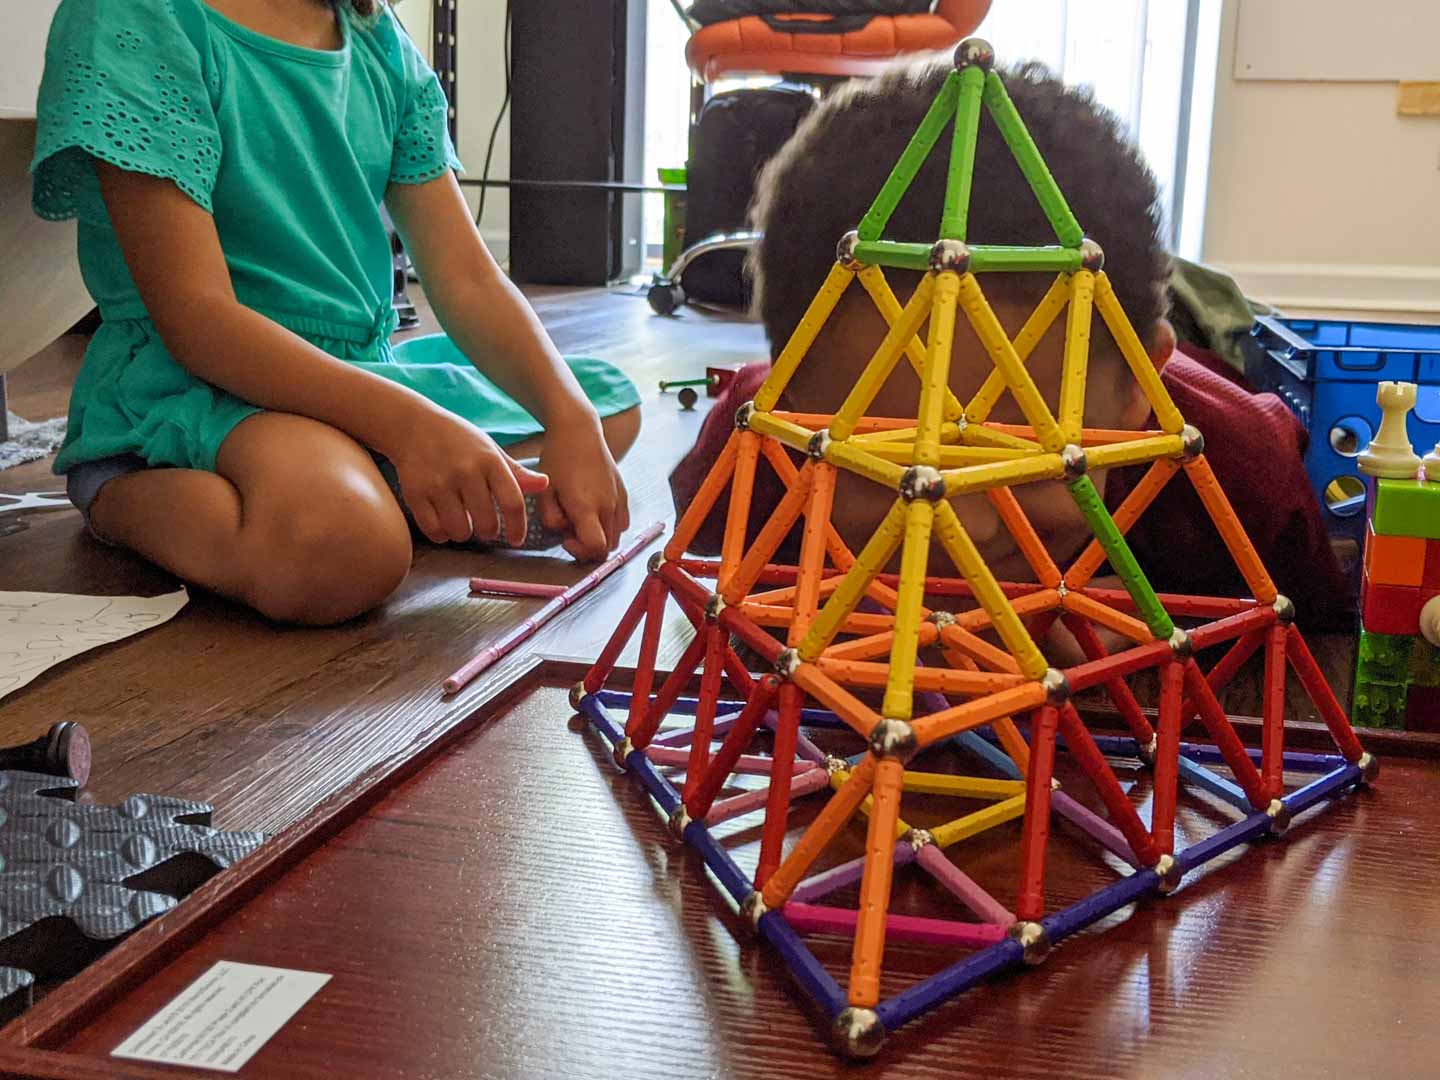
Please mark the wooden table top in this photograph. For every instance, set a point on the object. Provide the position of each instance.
(537, 920)
(584, 942)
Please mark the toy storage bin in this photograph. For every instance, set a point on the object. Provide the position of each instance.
(1326, 371)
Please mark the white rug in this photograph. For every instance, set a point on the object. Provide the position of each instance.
(30, 441)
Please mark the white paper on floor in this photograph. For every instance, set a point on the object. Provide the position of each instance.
(39, 630)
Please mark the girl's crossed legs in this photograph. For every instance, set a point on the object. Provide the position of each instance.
(296, 521)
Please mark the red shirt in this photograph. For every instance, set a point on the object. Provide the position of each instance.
(1252, 441)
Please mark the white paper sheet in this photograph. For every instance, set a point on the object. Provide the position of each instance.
(39, 630)
(223, 1017)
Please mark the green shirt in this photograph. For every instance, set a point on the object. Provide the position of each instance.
(291, 150)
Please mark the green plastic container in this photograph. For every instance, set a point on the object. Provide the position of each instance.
(674, 218)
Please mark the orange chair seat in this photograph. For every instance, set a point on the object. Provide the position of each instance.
(750, 45)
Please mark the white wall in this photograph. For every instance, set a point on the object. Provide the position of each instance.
(1321, 200)
(482, 88)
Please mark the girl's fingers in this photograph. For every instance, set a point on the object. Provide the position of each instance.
(551, 516)
(589, 537)
(505, 487)
(529, 481)
(480, 504)
(454, 520)
(427, 520)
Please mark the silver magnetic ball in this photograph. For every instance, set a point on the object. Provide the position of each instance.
(679, 819)
(577, 695)
(1057, 687)
(655, 562)
(818, 445)
(919, 838)
(950, 255)
(845, 251)
(787, 663)
(1092, 256)
(623, 750)
(1369, 766)
(743, 415)
(1170, 873)
(922, 482)
(714, 606)
(1062, 590)
(942, 619)
(1147, 752)
(1181, 645)
(1075, 462)
(752, 908)
(974, 52)
(1192, 443)
(1284, 609)
(835, 765)
(1033, 939)
(893, 738)
(1279, 815)
(858, 1033)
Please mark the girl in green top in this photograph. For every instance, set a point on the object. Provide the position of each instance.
(227, 161)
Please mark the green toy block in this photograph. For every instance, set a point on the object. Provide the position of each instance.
(1425, 664)
(1387, 667)
(1122, 559)
(1407, 508)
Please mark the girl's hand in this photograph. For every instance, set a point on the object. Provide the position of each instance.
(586, 499)
(453, 476)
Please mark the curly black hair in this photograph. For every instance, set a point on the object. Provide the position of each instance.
(823, 180)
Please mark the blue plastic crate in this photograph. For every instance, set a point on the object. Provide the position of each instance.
(1326, 372)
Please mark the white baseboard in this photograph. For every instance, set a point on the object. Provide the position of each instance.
(1383, 293)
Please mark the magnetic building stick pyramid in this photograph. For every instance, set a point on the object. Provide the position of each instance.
(838, 634)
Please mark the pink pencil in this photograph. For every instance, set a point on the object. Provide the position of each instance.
(485, 586)
(526, 629)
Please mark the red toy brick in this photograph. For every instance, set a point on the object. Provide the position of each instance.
(720, 378)
(1431, 576)
(1390, 609)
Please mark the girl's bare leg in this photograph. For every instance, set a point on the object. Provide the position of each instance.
(298, 522)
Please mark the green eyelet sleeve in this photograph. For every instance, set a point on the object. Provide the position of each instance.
(423, 149)
(124, 83)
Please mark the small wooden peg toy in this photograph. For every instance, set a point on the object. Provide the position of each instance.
(1390, 453)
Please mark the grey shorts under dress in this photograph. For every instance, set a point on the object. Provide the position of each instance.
(84, 481)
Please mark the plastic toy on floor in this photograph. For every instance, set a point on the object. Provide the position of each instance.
(986, 697)
(1397, 675)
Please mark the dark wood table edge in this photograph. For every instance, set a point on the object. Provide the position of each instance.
(89, 993)
(145, 952)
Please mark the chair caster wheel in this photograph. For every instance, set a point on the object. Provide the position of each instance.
(666, 297)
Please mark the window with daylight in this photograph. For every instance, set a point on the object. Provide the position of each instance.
(1152, 62)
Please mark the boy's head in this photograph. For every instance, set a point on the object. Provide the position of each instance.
(823, 180)
(821, 183)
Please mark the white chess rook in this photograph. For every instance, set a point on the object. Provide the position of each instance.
(1390, 453)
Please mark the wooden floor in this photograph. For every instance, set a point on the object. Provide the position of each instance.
(262, 721)
(1317, 964)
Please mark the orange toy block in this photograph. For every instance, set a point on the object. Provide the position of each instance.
(1395, 560)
